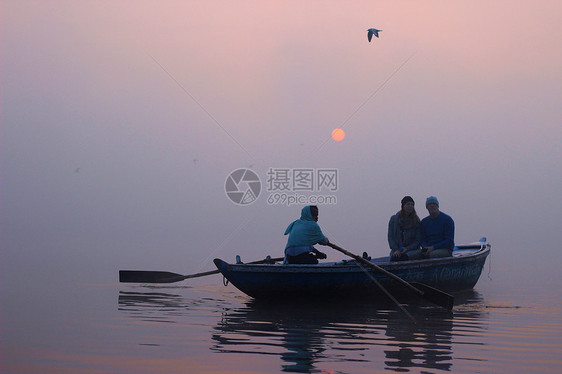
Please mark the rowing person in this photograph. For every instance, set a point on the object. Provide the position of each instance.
(304, 233)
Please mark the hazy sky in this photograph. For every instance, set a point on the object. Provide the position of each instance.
(121, 121)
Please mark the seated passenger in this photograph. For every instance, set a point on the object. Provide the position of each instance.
(437, 231)
(303, 234)
(404, 233)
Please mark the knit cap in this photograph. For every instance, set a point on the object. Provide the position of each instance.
(406, 199)
(431, 199)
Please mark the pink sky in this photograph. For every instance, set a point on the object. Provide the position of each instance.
(473, 116)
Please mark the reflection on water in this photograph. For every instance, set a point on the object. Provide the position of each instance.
(310, 336)
(151, 306)
(427, 346)
(305, 334)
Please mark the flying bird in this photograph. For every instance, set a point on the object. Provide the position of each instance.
(372, 32)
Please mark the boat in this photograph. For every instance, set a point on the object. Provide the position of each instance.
(349, 278)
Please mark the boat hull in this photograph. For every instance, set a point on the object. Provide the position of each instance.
(347, 279)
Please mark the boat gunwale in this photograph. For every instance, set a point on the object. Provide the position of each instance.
(352, 265)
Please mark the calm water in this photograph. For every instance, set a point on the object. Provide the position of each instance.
(204, 327)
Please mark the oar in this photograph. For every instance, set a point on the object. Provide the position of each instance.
(389, 295)
(431, 294)
(142, 276)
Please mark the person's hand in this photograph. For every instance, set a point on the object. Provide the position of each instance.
(426, 251)
(321, 255)
(396, 254)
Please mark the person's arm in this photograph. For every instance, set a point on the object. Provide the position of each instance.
(423, 236)
(320, 255)
(391, 241)
(416, 243)
(323, 241)
(317, 236)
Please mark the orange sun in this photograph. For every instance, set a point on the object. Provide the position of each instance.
(338, 135)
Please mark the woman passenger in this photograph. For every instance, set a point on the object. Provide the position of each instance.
(404, 233)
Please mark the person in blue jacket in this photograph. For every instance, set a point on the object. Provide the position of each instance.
(437, 231)
(304, 233)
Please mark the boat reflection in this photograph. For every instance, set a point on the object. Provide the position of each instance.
(426, 346)
(307, 334)
(151, 306)
(310, 336)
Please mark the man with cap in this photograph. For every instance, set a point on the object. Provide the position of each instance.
(437, 231)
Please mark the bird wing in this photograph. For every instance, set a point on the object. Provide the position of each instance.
(369, 35)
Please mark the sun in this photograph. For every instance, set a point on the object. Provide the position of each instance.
(338, 135)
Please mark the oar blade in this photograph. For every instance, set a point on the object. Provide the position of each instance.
(435, 296)
(142, 276)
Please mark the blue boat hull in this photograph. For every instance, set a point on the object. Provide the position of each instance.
(347, 278)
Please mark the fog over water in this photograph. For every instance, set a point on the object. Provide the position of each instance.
(121, 122)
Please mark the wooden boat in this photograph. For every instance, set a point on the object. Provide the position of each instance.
(350, 278)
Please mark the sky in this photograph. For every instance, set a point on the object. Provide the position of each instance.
(121, 121)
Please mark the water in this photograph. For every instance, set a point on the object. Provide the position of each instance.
(204, 327)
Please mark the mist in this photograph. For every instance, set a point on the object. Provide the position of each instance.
(121, 122)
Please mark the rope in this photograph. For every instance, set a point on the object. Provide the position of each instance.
(490, 264)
